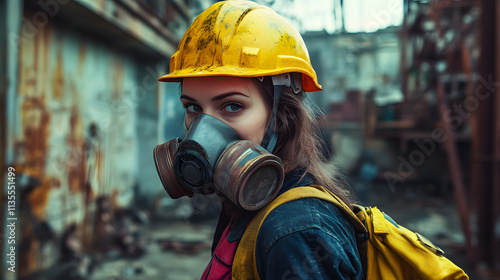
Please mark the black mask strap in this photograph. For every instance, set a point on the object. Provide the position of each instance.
(291, 80)
(271, 136)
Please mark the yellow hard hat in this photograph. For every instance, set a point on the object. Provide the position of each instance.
(243, 39)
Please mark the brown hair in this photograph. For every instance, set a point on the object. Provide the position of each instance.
(298, 143)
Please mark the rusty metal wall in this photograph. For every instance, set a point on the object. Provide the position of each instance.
(10, 12)
(83, 117)
(77, 133)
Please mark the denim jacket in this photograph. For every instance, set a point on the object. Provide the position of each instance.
(302, 239)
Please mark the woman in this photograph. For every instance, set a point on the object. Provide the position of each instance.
(244, 70)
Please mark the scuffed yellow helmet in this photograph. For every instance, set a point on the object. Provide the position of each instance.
(243, 39)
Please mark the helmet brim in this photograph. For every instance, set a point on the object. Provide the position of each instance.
(309, 84)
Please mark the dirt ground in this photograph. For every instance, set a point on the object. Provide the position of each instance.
(165, 258)
(180, 249)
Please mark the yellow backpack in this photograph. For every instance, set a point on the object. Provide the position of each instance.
(388, 252)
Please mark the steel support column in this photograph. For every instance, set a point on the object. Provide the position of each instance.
(482, 122)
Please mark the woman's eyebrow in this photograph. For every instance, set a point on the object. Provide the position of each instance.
(183, 96)
(222, 96)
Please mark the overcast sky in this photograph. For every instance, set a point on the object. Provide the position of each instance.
(360, 15)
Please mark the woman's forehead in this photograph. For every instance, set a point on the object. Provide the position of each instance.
(217, 85)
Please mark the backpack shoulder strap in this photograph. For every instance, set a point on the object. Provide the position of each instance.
(244, 264)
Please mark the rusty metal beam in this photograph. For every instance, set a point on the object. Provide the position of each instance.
(496, 146)
(455, 172)
(150, 17)
(182, 8)
(123, 20)
(482, 137)
(404, 50)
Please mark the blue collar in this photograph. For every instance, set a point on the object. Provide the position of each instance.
(292, 180)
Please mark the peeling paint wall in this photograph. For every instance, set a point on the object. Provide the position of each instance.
(87, 115)
(10, 12)
(77, 133)
(149, 186)
(84, 111)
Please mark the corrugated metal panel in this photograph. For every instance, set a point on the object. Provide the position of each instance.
(78, 130)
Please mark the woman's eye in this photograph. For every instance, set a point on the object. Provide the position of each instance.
(193, 108)
(233, 108)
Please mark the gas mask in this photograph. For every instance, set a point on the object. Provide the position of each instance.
(212, 158)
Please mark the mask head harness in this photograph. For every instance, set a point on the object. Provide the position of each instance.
(291, 80)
